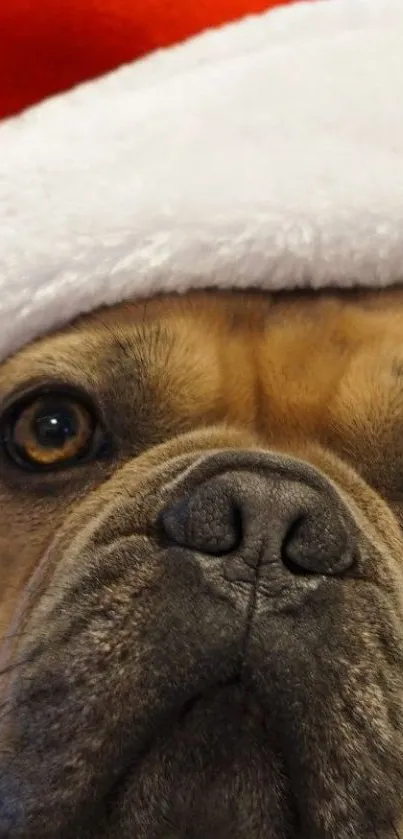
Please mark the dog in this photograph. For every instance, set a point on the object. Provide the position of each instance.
(202, 571)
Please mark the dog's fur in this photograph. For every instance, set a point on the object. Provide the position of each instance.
(162, 683)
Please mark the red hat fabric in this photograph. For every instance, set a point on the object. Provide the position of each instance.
(48, 46)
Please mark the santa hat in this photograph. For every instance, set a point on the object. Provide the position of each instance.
(266, 153)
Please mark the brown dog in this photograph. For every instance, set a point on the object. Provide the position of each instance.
(202, 572)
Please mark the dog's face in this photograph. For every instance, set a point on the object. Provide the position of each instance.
(202, 572)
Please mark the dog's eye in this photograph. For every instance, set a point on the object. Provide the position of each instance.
(50, 432)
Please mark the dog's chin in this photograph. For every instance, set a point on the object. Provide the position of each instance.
(214, 770)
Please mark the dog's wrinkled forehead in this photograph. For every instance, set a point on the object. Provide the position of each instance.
(287, 365)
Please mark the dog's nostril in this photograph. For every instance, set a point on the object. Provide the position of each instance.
(204, 521)
(317, 543)
(289, 552)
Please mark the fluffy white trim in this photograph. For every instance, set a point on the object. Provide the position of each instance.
(265, 153)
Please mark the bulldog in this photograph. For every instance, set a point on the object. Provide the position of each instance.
(202, 571)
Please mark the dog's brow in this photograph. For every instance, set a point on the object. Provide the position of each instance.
(122, 343)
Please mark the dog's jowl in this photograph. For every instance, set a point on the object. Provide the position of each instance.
(201, 558)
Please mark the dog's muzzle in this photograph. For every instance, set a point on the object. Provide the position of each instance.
(225, 608)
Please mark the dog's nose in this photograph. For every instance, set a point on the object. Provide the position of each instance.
(264, 518)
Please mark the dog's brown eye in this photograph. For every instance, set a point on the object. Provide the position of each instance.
(50, 431)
